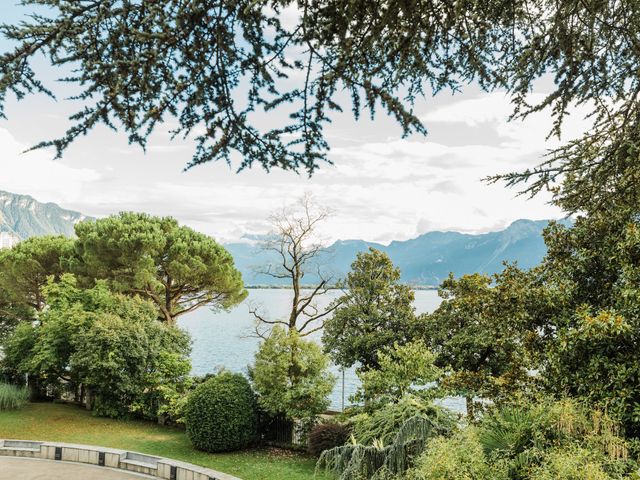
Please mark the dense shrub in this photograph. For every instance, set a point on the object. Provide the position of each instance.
(572, 464)
(12, 397)
(526, 436)
(106, 345)
(551, 440)
(380, 460)
(220, 414)
(383, 424)
(387, 440)
(325, 436)
(458, 457)
(133, 364)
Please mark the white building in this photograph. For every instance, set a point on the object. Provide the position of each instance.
(8, 240)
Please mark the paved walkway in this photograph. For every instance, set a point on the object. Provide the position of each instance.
(13, 468)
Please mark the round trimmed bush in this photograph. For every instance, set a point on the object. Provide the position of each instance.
(325, 436)
(221, 414)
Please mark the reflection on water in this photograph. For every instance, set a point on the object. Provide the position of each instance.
(223, 339)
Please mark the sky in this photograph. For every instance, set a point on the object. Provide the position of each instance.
(380, 188)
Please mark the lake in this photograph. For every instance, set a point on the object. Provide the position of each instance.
(223, 339)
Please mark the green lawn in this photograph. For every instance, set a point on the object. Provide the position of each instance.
(66, 423)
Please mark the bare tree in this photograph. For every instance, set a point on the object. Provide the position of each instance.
(298, 249)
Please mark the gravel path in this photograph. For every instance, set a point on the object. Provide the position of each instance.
(12, 468)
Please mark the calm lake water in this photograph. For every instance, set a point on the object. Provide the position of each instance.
(223, 339)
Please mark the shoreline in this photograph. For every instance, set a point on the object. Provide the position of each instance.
(332, 287)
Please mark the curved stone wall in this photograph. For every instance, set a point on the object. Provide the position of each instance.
(153, 466)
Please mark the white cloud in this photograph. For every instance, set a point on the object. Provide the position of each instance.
(490, 107)
(380, 190)
(496, 108)
(34, 173)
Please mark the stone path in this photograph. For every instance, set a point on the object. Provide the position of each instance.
(12, 468)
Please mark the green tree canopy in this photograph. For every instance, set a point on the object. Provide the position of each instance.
(25, 268)
(375, 312)
(107, 345)
(18, 348)
(12, 313)
(175, 267)
(290, 376)
(483, 330)
(217, 66)
(131, 365)
(403, 369)
(593, 332)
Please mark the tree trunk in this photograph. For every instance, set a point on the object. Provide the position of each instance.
(470, 407)
(168, 303)
(295, 283)
(90, 400)
(36, 392)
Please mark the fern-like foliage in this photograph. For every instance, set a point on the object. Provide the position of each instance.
(524, 435)
(355, 461)
(509, 431)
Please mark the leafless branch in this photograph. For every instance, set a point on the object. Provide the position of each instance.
(294, 238)
(317, 317)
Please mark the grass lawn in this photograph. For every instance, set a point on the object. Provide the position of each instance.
(71, 424)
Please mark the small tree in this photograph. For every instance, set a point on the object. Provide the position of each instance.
(175, 267)
(293, 240)
(42, 350)
(403, 369)
(290, 376)
(375, 313)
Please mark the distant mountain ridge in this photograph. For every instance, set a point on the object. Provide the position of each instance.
(22, 217)
(425, 260)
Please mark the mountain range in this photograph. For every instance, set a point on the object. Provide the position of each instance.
(21, 217)
(425, 260)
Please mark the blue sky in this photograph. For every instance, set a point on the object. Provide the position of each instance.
(381, 187)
